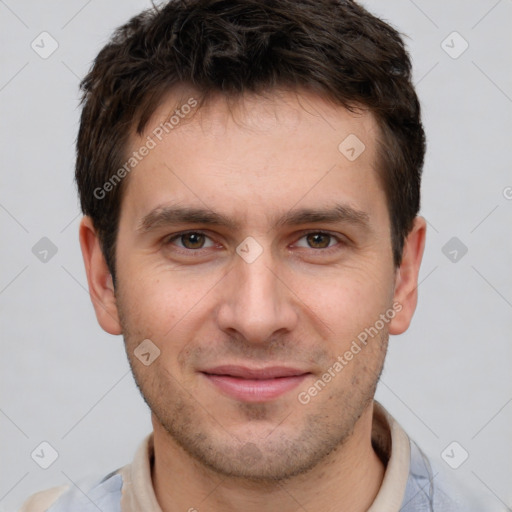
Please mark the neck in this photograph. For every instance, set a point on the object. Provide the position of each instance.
(348, 479)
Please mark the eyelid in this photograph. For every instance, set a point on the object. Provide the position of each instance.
(337, 236)
(170, 238)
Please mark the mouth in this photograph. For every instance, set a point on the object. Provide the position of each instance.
(254, 384)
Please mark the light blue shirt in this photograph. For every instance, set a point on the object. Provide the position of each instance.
(410, 483)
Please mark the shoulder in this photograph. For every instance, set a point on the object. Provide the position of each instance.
(88, 495)
(41, 501)
(433, 488)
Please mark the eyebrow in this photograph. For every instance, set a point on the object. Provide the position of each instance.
(169, 215)
(163, 216)
(338, 213)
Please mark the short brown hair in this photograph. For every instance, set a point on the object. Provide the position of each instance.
(332, 47)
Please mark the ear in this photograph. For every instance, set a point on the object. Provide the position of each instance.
(406, 281)
(101, 287)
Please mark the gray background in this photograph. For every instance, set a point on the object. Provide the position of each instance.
(447, 379)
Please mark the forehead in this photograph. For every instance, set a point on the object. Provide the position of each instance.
(256, 155)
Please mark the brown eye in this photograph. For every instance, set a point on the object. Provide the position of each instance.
(318, 240)
(192, 240)
(189, 243)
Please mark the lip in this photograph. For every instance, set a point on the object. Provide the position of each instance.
(254, 384)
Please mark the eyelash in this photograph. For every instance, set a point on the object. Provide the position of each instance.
(340, 242)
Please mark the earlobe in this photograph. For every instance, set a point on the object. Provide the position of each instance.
(406, 284)
(101, 286)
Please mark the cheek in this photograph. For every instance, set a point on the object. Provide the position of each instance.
(350, 300)
(160, 301)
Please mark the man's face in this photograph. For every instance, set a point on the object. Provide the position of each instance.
(295, 295)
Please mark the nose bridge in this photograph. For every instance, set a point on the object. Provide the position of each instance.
(258, 286)
(257, 304)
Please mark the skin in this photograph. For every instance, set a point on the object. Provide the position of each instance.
(301, 303)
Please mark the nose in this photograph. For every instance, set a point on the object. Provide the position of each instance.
(257, 302)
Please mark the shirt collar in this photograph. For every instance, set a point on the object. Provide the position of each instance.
(389, 440)
(392, 444)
